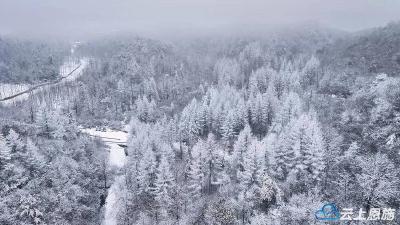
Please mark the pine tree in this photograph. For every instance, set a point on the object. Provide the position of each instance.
(227, 71)
(241, 113)
(228, 128)
(145, 109)
(58, 125)
(203, 117)
(240, 148)
(352, 151)
(288, 111)
(269, 191)
(250, 179)
(188, 126)
(254, 106)
(316, 153)
(28, 210)
(196, 173)
(302, 151)
(5, 152)
(310, 73)
(43, 120)
(378, 179)
(152, 106)
(284, 153)
(34, 160)
(164, 184)
(269, 109)
(213, 163)
(277, 84)
(253, 84)
(147, 169)
(253, 167)
(13, 140)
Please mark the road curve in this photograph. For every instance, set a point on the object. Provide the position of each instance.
(40, 85)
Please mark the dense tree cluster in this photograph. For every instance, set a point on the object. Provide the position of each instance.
(351, 54)
(30, 61)
(265, 149)
(50, 173)
(240, 131)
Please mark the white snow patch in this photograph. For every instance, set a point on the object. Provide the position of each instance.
(112, 138)
(176, 146)
(113, 202)
(70, 66)
(117, 158)
(7, 90)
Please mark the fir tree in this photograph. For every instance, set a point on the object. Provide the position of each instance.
(5, 152)
(240, 148)
(147, 169)
(196, 173)
(164, 184)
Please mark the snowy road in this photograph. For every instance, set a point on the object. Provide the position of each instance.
(113, 139)
(74, 72)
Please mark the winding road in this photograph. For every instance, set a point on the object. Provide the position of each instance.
(114, 139)
(72, 74)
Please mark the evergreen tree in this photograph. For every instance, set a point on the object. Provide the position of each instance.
(203, 117)
(214, 163)
(269, 109)
(289, 110)
(29, 210)
(14, 140)
(253, 167)
(308, 147)
(240, 148)
(43, 120)
(241, 113)
(227, 71)
(147, 170)
(378, 179)
(146, 109)
(197, 172)
(310, 72)
(284, 153)
(35, 162)
(164, 185)
(5, 152)
(352, 151)
(256, 112)
(188, 125)
(250, 179)
(229, 128)
(301, 151)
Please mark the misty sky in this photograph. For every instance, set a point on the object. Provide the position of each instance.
(80, 18)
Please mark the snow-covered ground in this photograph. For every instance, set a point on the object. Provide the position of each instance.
(113, 201)
(112, 138)
(76, 70)
(117, 158)
(70, 66)
(18, 98)
(12, 89)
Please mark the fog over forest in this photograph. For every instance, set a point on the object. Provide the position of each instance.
(84, 19)
(190, 112)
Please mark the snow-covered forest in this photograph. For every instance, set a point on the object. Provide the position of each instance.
(248, 129)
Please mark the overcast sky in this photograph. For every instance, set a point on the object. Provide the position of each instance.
(80, 18)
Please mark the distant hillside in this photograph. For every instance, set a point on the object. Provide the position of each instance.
(368, 52)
